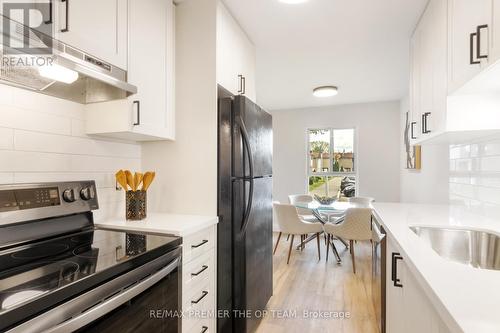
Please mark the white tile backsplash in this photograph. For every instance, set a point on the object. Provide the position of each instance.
(42, 139)
(475, 176)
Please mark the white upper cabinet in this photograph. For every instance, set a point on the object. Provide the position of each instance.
(470, 31)
(494, 32)
(98, 27)
(428, 86)
(150, 114)
(235, 56)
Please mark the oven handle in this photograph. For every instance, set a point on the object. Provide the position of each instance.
(112, 303)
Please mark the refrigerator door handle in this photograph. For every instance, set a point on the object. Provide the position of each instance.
(246, 143)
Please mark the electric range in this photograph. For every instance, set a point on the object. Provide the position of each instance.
(60, 274)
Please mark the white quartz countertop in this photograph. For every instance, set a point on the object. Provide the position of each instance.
(468, 299)
(171, 224)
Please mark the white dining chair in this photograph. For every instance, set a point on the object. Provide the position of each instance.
(304, 213)
(355, 226)
(365, 201)
(290, 223)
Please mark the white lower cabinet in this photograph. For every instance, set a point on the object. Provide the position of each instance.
(199, 282)
(408, 309)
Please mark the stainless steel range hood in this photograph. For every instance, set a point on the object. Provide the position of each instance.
(97, 81)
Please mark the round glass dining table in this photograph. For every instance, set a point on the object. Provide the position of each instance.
(336, 209)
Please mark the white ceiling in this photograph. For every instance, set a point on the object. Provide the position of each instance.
(359, 45)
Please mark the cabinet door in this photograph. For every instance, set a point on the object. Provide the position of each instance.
(415, 76)
(235, 56)
(420, 315)
(434, 66)
(149, 114)
(248, 63)
(395, 311)
(42, 17)
(151, 65)
(98, 27)
(229, 52)
(495, 31)
(465, 18)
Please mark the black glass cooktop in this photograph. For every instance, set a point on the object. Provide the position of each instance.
(71, 264)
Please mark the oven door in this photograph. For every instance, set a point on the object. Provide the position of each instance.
(146, 299)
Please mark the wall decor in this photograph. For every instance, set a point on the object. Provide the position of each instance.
(413, 152)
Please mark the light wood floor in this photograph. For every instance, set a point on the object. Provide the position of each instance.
(306, 284)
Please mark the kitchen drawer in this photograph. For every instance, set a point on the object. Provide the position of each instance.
(206, 303)
(198, 271)
(204, 310)
(197, 244)
(205, 325)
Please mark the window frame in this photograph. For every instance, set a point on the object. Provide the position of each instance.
(332, 173)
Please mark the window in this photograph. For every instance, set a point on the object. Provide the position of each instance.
(331, 162)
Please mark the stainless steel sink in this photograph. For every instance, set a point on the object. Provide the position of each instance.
(470, 247)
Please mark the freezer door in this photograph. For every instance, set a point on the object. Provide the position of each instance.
(251, 123)
(253, 265)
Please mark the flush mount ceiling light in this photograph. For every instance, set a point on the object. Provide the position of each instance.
(325, 91)
(293, 2)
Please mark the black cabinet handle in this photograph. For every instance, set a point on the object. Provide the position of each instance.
(66, 28)
(198, 245)
(240, 83)
(244, 85)
(478, 44)
(413, 123)
(471, 48)
(204, 329)
(203, 294)
(50, 20)
(425, 118)
(138, 110)
(394, 269)
(203, 268)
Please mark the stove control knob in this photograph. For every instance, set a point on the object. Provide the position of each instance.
(87, 193)
(69, 195)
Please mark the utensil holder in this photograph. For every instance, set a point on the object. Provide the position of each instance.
(136, 205)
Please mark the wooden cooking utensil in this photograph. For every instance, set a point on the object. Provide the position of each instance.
(138, 179)
(130, 180)
(121, 178)
(148, 179)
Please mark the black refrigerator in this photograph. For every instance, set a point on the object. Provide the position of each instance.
(244, 250)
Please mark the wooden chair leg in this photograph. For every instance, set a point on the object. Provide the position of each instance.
(327, 246)
(290, 250)
(351, 245)
(288, 237)
(277, 242)
(319, 251)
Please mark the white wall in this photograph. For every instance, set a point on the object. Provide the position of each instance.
(377, 126)
(42, 139)
(430, 184)
(186, 170)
